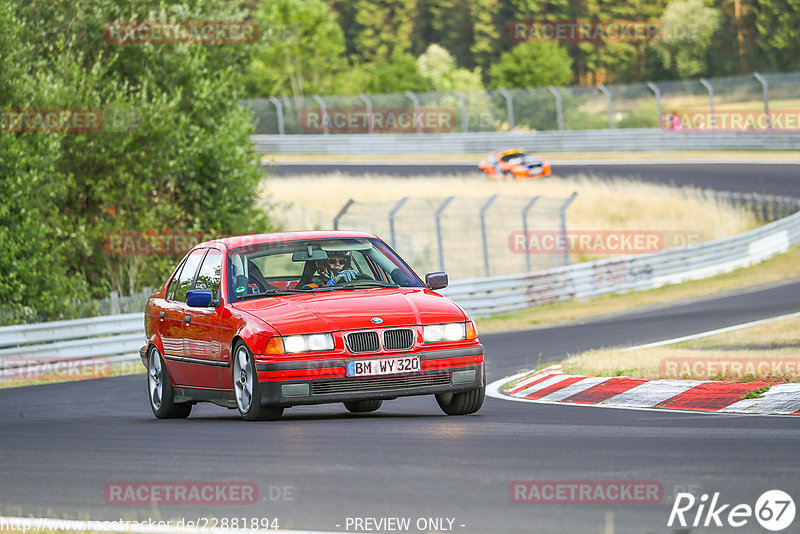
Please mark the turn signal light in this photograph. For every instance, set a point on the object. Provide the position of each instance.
(472, 330)
(274, 345)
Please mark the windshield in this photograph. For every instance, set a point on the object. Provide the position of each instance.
(508, 157)
(315, 265)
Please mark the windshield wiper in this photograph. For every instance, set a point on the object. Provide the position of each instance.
(271, 292)
(366, 283)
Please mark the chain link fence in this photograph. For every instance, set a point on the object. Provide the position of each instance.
(547, 108)
(466, 236)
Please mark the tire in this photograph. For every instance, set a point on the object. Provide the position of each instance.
(463, 403)
(160, 392)
(363, 406)
(246, 387)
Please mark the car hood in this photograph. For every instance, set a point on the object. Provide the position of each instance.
(352, 309)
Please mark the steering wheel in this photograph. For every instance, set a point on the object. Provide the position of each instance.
(359, 276)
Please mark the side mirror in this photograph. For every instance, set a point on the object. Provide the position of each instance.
(198, 298)
(436, 280)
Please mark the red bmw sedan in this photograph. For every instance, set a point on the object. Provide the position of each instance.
(264, 322)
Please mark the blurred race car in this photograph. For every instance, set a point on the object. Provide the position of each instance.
(515, 164)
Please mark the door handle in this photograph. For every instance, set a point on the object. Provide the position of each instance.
(161, 314)
(187, 319)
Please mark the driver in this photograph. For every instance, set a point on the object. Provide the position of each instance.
(335, 269)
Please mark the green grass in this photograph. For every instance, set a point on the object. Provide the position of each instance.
(757, 393)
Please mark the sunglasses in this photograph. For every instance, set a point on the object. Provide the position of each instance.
(338, 261)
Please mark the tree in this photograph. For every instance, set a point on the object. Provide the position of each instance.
(173, 152)
(689, 27)
(300, 51)
(532, 65)
(35, 275)
(778, 33)
(438, 65)
(398, 74)
(452, 28)
(383, 28)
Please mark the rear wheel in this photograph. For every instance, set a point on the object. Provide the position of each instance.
(246, 388)
(463, 403)
(159, 388)
(363, 406)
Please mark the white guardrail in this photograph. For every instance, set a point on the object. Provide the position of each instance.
(618, 140)
(485, 296)
(74, 339)
(123, 335)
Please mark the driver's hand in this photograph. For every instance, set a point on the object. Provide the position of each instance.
(346, 276)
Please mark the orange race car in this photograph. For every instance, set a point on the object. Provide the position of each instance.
(515, 164)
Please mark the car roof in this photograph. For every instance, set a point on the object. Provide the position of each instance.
(277, 237)
(512, 151)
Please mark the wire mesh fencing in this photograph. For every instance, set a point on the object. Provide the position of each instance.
(468, 237)
(643, 105)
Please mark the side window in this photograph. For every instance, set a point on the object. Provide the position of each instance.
(174, 283)
(187, 274)
(210, 272)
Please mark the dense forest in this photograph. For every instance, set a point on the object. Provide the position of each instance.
(351, 46)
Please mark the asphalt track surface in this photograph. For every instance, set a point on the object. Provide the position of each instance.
(763, 178)
(60, 444)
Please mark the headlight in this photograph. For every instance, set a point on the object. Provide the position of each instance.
(308, 343)
(433, 333)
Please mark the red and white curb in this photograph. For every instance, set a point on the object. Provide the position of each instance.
(552, 385)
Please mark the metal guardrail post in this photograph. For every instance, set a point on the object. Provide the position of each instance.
(483, 232)
(603, 89)
(341, 213)
(439, 211)
(370, 117)
(710, 88)
(324, 110)
(279, 108)
(765, 89)
(464, 118)
(509, 107)
(115, 309)
(562, 213)
(559, 111)
(392, 213)
(525, 211)
(414, 100)
(657, 92)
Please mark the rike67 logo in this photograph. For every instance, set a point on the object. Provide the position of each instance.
(774, 510)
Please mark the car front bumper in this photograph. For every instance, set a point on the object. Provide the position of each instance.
(290, 383)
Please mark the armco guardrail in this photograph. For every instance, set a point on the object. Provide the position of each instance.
(75, 339)
(620, 140)
(498, 294)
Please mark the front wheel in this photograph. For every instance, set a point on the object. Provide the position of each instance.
(363, 406)
(463, 403)
(159, 388)
(246, 388)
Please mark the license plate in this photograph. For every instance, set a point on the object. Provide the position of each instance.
(383, 366)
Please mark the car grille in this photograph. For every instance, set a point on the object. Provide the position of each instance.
(352, 385)
(362, 342)
(398, 339)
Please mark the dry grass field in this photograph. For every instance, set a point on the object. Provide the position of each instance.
(310, 201)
